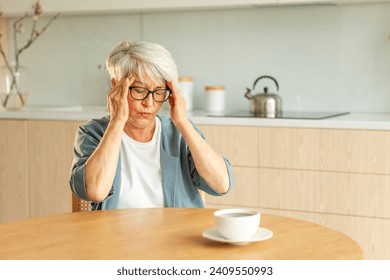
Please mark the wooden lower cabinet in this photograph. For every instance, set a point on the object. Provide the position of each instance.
(14, 190)
(371, 233)
(363, 195)
(35, 162)
(50, 154)
(245, 192)
(238, 144)
(338, 150)
(357, 207)
(337, 178)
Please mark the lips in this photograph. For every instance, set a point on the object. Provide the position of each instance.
(145, 114)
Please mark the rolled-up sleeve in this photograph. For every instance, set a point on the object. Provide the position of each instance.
(87, 140)
(82, 150)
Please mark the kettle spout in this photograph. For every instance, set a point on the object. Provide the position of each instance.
(248, 94)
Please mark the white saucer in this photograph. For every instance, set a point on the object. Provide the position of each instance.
(261, 234)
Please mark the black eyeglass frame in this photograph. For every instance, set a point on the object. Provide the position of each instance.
(152, 92)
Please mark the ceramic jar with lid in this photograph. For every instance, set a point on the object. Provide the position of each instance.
(186, 89)
(214, 99)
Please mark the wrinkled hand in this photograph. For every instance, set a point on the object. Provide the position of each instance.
(178, 106)
(117, 100)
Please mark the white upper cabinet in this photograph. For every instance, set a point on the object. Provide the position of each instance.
(285, 2)
(15, 8)
(330, 2)
(118, 5)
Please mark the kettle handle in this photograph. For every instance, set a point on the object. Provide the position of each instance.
(269, 77)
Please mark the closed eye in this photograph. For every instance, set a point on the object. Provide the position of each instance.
(160, 91)
(140, 89)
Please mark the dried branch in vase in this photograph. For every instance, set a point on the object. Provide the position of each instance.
(18, 28)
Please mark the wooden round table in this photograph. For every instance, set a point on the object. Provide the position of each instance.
(164, 234)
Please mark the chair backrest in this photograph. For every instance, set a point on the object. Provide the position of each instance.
(203, 196)
(79, 205)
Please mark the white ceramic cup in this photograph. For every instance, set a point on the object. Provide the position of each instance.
(237, 224)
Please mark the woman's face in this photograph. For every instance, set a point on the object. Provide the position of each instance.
(142, 113)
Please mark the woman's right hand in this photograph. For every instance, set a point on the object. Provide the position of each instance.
(117, 99)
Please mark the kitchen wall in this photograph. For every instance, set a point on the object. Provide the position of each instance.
(324, 57)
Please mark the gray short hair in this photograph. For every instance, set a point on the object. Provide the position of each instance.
(142, 60)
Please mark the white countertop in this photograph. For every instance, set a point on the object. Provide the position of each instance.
(368, 121)
(66, 113)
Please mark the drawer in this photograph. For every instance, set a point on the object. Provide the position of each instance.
(326, 192)
(325, 149)
(238, 144)
(245, 192)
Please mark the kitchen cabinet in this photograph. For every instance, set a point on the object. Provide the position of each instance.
(335, 177)
(240, 145)
(118, 5)
(13, 8)
(357, 151)
(13, 171)
(328, 2)
(50, 154)
(361, 1)
(35, 164)
(243, 155)
(284, 2)
(113, 6)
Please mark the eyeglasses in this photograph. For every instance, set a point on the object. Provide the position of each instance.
(159, 95)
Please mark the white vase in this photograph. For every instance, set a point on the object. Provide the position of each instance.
(13, 87)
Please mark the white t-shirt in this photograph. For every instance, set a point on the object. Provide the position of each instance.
(141, 179)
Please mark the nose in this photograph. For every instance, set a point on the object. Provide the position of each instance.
(148, 101)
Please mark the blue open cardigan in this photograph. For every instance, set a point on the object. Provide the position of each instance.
(180, 179)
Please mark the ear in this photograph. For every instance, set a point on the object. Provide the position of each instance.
(113, 82)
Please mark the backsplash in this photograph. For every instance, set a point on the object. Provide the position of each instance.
(325, 58)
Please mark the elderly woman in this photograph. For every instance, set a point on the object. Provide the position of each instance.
(134, 158)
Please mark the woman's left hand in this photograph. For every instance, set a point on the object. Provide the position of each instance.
(178, 106)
